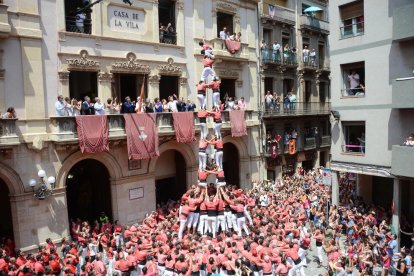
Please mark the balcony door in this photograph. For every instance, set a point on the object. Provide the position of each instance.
(227, 88)
(128, 85)
(83, 83)
(168, 87)
(224, 20)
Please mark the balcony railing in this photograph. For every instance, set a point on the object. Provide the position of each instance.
(269, 56)
(403, 93)
(8, 132)
(296, 109)
(281, 14)
(64, 128)
(402, 161)
(310, 62)
(168, 38)
(355, 92)
(352, 30)
(325, 141)
(220, 50)
(312, 23)
(310, 143)
(84, 27)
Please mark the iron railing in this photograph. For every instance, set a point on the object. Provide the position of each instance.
(269, 56)
(296, 108)
(355, 92)
(352, 30)
(84, 27)
(168, 38)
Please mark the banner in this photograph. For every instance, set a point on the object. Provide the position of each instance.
(92, 133)
(232, 46)
(184, 126)
(142, 135)
(238, 123)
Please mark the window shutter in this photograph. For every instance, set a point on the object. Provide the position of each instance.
(352, 10)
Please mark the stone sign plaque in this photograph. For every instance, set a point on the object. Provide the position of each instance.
(136, 193)
(126, 20)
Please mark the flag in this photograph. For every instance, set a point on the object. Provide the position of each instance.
(92, 133)
(184, 126)
(141, 96)
(272, 10)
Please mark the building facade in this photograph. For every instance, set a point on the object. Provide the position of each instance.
(371, 68)
(47, 49)
(294, 57)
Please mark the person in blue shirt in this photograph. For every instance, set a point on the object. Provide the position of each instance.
(157, 105)
(128, 106)
(190, 106)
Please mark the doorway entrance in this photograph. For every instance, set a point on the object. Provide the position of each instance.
(170, 174)
(88, 190)
(227, 88)
(83, 83)
(128, 85)
(168, 87)
(231, 164)
(6, 225)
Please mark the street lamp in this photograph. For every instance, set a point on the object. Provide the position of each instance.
(43, 191)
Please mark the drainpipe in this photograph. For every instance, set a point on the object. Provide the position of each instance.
(259, 96)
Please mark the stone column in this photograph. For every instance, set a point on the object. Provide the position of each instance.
(183, 89)
(239, 89)
(64, 83)
(180, 22)
(104, 86)
(335, 188)
(397, 207)
(155, 23)
(153, 86)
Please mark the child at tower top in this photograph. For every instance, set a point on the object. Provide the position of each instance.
(207, 50)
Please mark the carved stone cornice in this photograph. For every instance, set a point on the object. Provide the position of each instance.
(154, 79)
(226, 7)
(104, 77)
(228, 73)
(170, 68)
(180, 5)
(131, 65)
(83, 61)
(63, 75)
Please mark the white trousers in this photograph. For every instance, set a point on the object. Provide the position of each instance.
(221, 222)
(219, 159)
(319, 249)
(192, 219)
(161, 270)
(207, 71)
(247, 215)
(241, 225)
(201, 224)
(217, 130)
(202, 160)
(228, 220)
(203, 130)
(183, 222)
(202, 100)
(211, 225)
(216, 98)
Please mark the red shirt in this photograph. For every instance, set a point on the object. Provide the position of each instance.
(215, 85)
(208, 62)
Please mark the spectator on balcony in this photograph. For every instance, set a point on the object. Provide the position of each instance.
(354, 82)
(60, 106)
(77, 106)
(149, 106)
(269, 100)
(409, 141)
(286, 53)
(223, 34)
(163, 31)
(165, 107)
(10, 113)
(181, 105)
(294, 134)
(292, 100)
(99, 107)
(286, 102)
(242, 104)
(276, 51)
(238, 37)
(69, 109)
(80, 20)
(128, 106)
(362, 143)
(170, 29)
(305, 55)
(276, 102)
(111, 107)
(87, 107)
(312, 57)
(191, 106)
(264, 49)
(172, 103)
(157, 105)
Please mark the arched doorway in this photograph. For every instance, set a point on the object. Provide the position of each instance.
(170, 175)
(6, 225)
(88, 190)
(231, 164)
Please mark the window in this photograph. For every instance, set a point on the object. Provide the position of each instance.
(168, 86)
(227, 88)
(287, 86)
(267, 53)
(224, 20)
(83, 84)
(353, 75)
(321, 54)
(166, 16)
(353, 137)
(322, 92)
(128, 85)
(352, 16)
(308, 91)
(78, 16)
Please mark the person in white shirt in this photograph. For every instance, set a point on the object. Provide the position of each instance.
(172, 104)
(269, 100)
(69, 111)
(276, 51)
(60, 106)
(223, 34)
(263, 200)
(312, 57)
(305, 54)
(80, 19)
(99, 107)
(353, 82)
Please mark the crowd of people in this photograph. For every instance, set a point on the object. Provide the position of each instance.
(226, 35)
(10, 113)
(273, 102)
(276, 53)
(223, 230)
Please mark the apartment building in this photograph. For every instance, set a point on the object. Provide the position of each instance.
(371, 45)
(108, 50)
(294, 57)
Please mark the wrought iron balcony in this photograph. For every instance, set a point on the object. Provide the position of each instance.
(313, 24)
(325, 141)
(8, 133)
(281, 14)
(310, 143)
(295, 109)
(73, 26)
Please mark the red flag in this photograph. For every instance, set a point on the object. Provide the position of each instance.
(92, 133)
(184, 126)
(141, 96)
(238, 123)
